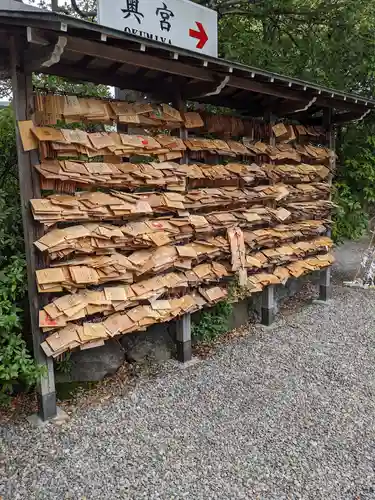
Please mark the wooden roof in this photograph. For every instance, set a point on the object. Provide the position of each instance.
(69, 47)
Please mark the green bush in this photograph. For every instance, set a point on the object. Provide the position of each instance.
(355, 181)
(16, 364)
(212, 323)
(350, 220)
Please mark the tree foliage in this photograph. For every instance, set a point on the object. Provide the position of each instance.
(355, 180)
(327, 41)
(16, 364)
(330, 42)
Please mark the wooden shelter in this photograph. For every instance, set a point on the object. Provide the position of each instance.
(32, 40)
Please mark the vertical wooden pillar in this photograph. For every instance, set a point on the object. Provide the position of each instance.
(272, 139)
(183, 326)
(29, 189)
(325, 274)
(268, 294)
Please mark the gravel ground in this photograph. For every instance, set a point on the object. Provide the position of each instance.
(284, 413)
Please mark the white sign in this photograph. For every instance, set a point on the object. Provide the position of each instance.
(181, 23)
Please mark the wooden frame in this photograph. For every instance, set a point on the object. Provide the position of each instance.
(325, 275)
(208, 80)
(29, 189)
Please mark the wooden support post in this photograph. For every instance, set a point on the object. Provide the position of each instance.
(183, 325)
(123, 95)
(268, 305)
(29, 189)
(183, 338)
(325, 274)
(268, 294)
(272, 138)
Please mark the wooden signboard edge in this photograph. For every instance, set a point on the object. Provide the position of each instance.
(29, 189)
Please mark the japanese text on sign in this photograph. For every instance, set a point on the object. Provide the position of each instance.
(180, 23)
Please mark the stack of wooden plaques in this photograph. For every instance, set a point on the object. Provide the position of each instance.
(98, 238)
(234, 126)
(292, 152)
(52, 108)
(70, 143)
(119, 205)
(160, 239)
(65, 143)
(122, 310)
(93, 334)
(292, 174)
(126, 175)
(164, 175)
(318, 210)
(308, 192)
(95, 270)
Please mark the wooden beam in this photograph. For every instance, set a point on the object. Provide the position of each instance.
(348, 117)
(225, 103)
(114, 68)
(44, 56)
(337, 119)
(141, 73)
(124, 56)
(29, 189)
(139, 59)
(288, 107)
(36, 56)
(199, 89)
(102, 76)
(268, 311)
(247, 107)
(86, 61)
(264, 88)
(109, 52)
(293, 95)
(338, 104)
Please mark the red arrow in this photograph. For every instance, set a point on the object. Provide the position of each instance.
(201, 35)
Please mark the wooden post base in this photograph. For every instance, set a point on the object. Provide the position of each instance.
(324, 293)
(183, 351)
(268, 306)
(325, 285)
(47, 406)
(268, 316)
(183, 338)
